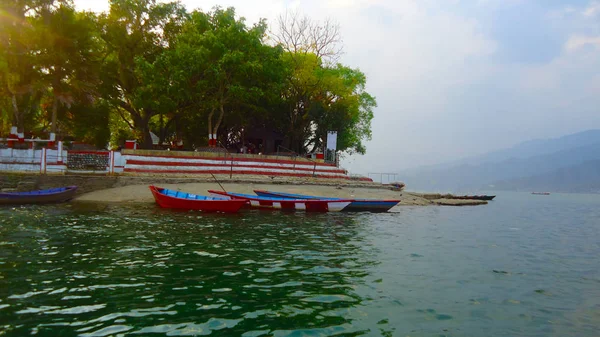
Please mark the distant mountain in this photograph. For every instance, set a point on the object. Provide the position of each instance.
(537, 158)
(583, 178)
(538, 147)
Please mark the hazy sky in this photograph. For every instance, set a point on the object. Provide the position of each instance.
(455, 77)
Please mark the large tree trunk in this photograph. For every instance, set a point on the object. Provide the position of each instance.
(18, 119)
(164, 129)
(54, 112)
(162, 132)
(219, 121)
(55, 93)
(140, 122)
(210, 116)
(146, 138)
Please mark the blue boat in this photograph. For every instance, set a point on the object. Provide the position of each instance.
(49, 196)
(356, 205)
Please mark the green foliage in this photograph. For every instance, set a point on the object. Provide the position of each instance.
(222, 69)
(19, 58)
(119, 130)
(69, 55)
(90, 123)
(150, 66)
(323, 98)
(136, 33)
(343, 105)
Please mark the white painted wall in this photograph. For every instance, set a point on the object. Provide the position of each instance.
(29, 160)
(20, 156)
(34, 167)
(120, 161)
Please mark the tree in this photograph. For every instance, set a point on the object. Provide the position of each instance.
(343, 105)
(321, 99)
(309, 47)
(88, 123)
(136, 33)
(321, 95)
(298, 34)
(69, 56)
(162, 70)
(225, 65)
(19, 77)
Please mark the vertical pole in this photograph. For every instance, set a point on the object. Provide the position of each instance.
(60, 149)
(314, 169)
(43, 161)
(111, 162)
(231, 172)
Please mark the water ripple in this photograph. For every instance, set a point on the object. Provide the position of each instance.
(118, 271)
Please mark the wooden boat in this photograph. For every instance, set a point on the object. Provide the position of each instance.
(49, 196)
(357, 205)
(541, 193)
(181, 200)
(475, 197)
(316, 205)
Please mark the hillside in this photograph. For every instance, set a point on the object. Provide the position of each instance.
(583, 178)
(529, 161)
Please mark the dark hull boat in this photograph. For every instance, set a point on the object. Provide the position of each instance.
(356, 205)
(49, 196)
(314, 205)
(181, 200)
(475, 197)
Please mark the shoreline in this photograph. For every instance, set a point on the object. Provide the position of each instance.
(132, 189)
(140, 194)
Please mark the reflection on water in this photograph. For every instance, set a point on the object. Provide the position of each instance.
(141, 271)
(517, 267)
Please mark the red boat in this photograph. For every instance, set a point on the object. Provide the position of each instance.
(181, 200)
(308, 205)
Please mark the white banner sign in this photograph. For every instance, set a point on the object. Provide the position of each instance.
(332, 140)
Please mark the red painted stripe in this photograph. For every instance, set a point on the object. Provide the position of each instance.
(317, 206)
(265, 203)
(234, 172)
(288, 205)
(160, 163)
(283, 161)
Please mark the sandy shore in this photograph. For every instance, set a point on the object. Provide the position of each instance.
(141, 193)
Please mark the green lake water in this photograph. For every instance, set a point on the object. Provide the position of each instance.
(524, 265)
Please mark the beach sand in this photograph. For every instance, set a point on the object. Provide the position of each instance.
(141, 193)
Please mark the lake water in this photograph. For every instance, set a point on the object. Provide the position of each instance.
(524, 265)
